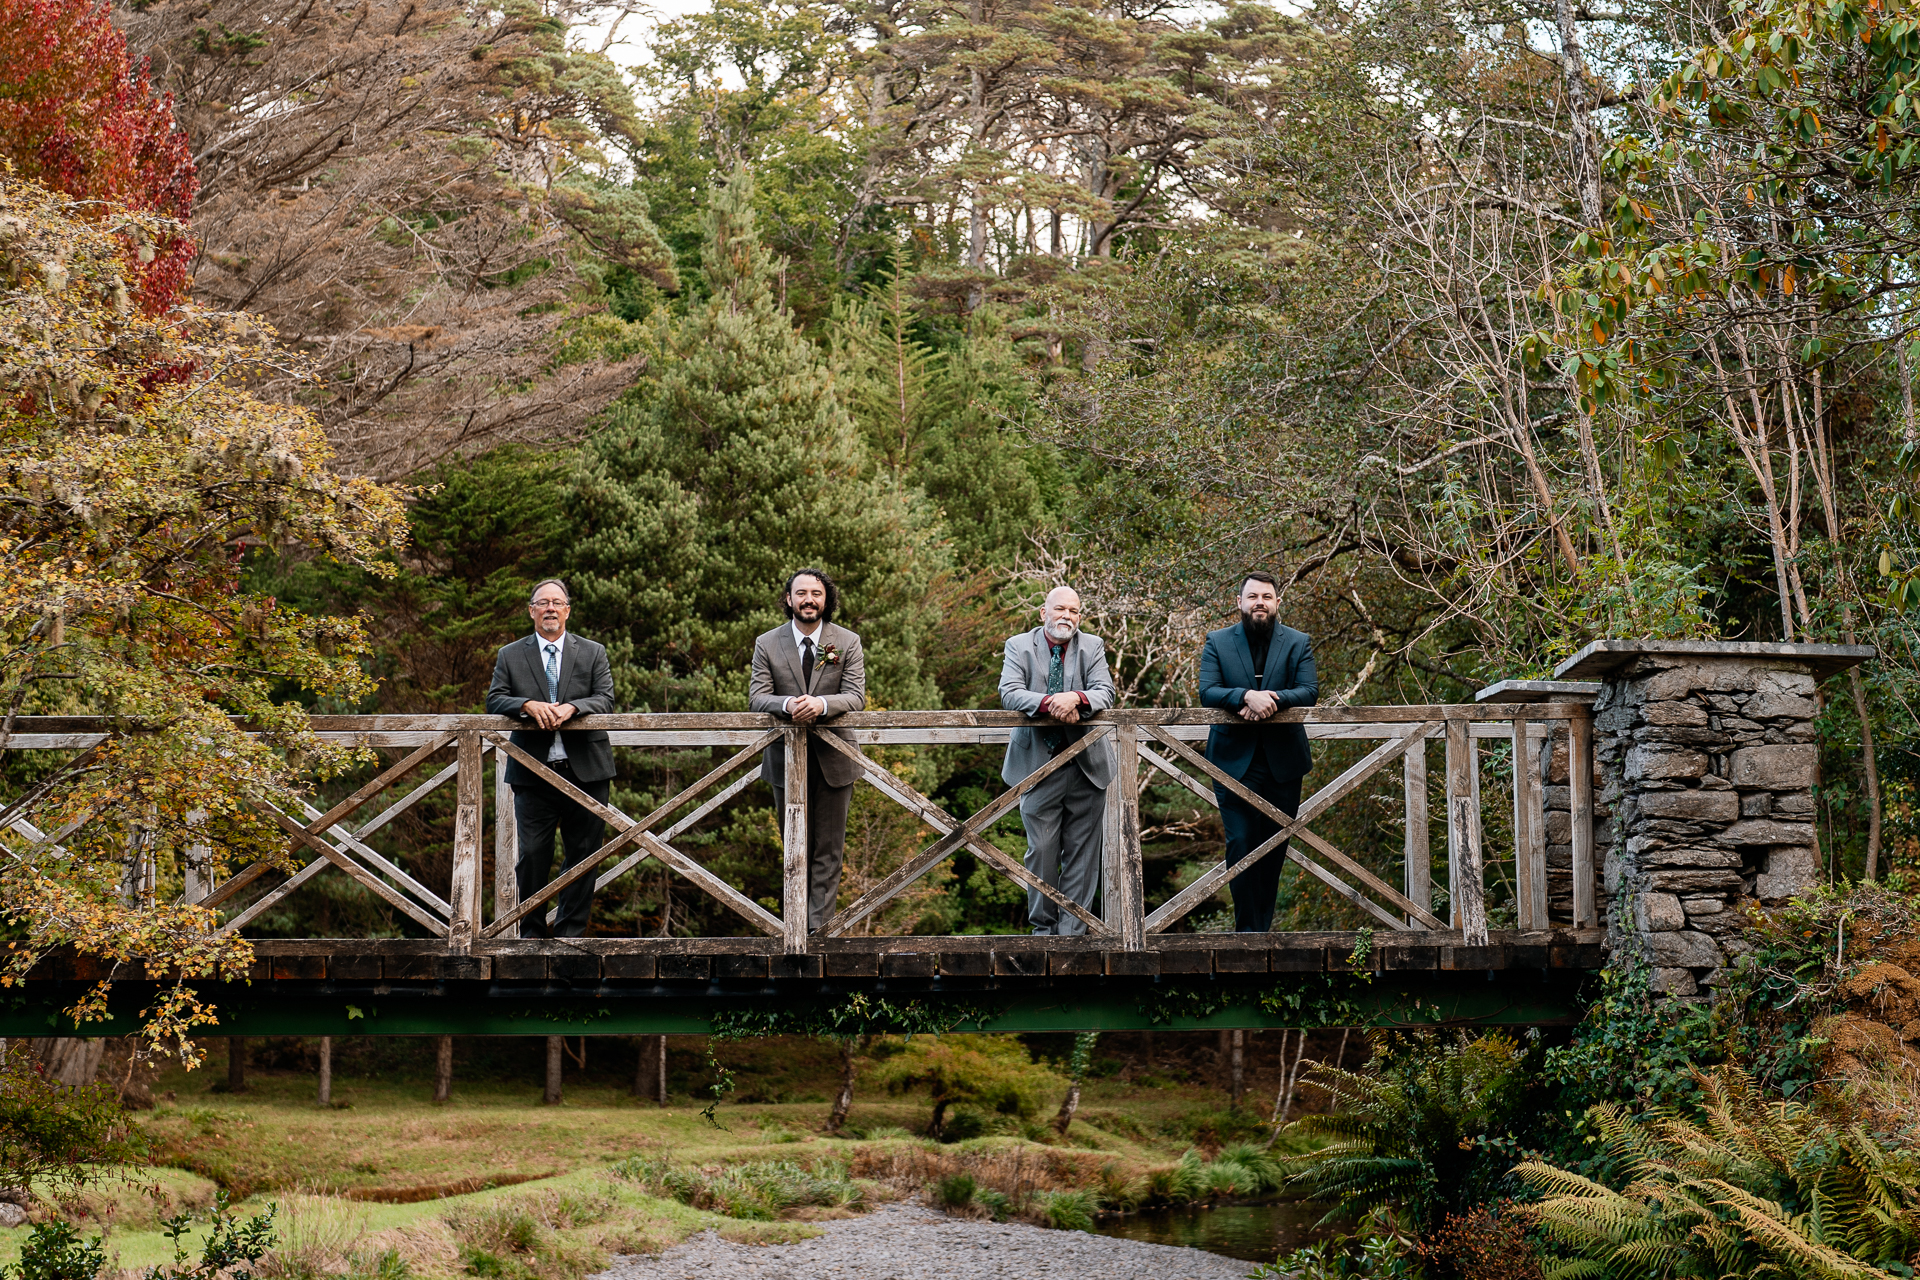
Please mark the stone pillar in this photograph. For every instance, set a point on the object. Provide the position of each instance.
(1707, 760)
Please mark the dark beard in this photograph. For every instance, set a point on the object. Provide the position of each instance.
(1257, 628)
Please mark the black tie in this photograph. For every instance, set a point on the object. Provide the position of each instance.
(806, 662)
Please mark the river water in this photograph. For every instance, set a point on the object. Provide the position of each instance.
(1253, 1232)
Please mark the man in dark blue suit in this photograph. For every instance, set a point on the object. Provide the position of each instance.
(1256, 668)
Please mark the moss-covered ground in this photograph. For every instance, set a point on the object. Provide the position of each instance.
(386, 1184)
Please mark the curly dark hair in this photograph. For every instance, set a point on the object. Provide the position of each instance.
(833, 592)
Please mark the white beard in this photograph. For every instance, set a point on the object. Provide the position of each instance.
(1060, 631)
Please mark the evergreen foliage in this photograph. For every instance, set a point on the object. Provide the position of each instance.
(733, 465)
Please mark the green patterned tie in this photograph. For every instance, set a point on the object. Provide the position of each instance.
(1053, 735)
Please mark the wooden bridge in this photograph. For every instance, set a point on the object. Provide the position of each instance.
(472, 972)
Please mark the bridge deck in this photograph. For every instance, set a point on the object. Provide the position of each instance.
(1430, 914)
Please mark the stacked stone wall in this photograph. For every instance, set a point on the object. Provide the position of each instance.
(1709, 764)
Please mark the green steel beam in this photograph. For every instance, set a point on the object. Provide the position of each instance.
(1507, 998)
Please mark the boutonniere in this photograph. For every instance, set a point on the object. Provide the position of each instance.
(830, 654)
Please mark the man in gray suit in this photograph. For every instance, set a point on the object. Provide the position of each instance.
(1058, 676)
(550, 677)
(806, 670)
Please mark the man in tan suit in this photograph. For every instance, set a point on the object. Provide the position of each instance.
(806, 671)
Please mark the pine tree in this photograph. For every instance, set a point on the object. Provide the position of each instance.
(733, 464)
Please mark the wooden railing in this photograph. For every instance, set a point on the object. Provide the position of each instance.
(1162, 740)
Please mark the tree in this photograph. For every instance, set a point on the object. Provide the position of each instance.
(415, 198)
(729, 467)
(77, 113)
(982, 1071)
(138, 461)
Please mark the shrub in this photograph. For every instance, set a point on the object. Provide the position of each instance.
(955, 1191)
(1177, 1184)
(759, 1191)
(987, 1073)
(1069, 1210)
(55, 1251)
(963, 1123)
(997, 1204)
(1266, 1172)
(1429, 1131)
(54, 1137)
(1748, 1187)
(1489, 1243)
(1214, 1126)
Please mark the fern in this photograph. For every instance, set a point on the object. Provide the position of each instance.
(1747, 1188)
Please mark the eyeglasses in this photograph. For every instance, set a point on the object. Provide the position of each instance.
(550, 604)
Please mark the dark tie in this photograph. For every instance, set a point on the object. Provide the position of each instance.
(806, 661)
(1053, 735)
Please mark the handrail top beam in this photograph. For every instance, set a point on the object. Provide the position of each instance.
(982, 719)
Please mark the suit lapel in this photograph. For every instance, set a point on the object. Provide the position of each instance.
(569, 662)
(788, 650)
(819, 655)
(536, 668)
(1244, 652)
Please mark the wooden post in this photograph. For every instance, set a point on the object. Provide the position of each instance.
(1419, 852)
(1239, 1065)
(194, 880)
(1123, 889)
(1580, 793)
(663, 1071)
(793, 900)
(443, 1068)
(555, 1054)
(1529, 860)
(236, 1064)
(506, 847)
(464, 893)
(1466, 877)
(325, 1094)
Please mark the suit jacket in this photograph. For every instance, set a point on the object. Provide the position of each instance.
(1226, 673)
(586, 680)
(841, 685)
(1023, 683)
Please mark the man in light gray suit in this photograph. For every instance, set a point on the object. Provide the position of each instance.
(806, 670)
(1058, 676)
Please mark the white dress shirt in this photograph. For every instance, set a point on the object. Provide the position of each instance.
(799, 645)
(558, 751)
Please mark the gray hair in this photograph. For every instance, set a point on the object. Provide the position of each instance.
(549, 582)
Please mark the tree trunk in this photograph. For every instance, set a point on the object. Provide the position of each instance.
(70, 1060)
(849, 1065)
(1586, 152)
(556, 1054)
(443, 1069)
(1239, 1065)
(236, 1064)
(324, 1094)
(662, 1063)
(1068, 1105)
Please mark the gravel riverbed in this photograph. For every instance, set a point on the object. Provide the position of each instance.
(910, 1242)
